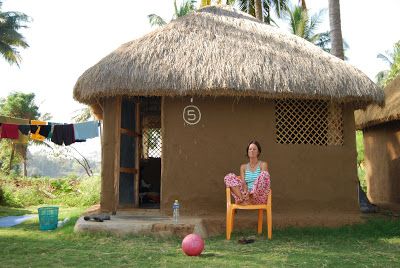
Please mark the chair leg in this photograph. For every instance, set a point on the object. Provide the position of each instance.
(232, 218)
(269, 223)
(228, 224)
(260, 221)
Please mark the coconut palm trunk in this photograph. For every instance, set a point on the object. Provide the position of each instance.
(258, 9)
(336, 30)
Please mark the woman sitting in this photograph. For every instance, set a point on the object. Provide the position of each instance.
(252, 187)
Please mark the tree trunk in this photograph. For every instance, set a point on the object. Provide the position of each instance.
(303, 4)
(24, 150)
(21, 149)
(258, 9)
(336, 30)
(11, 157)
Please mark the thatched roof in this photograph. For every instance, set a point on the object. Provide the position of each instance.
(222, 51)
(374, 114)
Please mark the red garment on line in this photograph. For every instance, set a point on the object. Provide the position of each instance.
(9, 131)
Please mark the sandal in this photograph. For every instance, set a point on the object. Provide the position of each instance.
(244, 240)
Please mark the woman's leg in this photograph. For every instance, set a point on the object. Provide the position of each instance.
(237, 187)
(259, 194)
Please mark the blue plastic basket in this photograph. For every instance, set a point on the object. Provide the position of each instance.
(48, 218)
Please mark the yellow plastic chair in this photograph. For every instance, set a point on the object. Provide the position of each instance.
(230, 214)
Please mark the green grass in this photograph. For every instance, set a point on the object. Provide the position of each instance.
(375, 243)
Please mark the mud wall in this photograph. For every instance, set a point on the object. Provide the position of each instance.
(196, 158)
(382, 162)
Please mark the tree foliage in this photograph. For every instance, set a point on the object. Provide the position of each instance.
(306, 26)
(392, 58)
(268, 7)
(10, 37)
(20, 105)
(83, 115)
(185, 8)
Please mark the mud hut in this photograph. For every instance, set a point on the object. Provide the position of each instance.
(381, 129)
(205, 85)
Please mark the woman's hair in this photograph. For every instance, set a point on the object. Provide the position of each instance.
(256, 143)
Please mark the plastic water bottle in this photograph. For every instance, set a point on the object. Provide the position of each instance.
(175, 211)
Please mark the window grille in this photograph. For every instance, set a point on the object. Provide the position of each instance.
(152, 143)
(308, 122)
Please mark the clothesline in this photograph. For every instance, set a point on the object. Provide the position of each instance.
(21, 130)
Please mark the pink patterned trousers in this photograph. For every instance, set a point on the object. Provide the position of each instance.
(259, 193)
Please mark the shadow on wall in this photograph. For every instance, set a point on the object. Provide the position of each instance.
(393, 148)
(382, 155)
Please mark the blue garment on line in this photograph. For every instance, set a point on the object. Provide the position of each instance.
(14, 220)
(86, 130)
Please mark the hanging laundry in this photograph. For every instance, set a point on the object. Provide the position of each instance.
(51, 124)
(35, 130)
(35, 133)
(24, 129)
(86, 130)
(9, 131)
(63, 134)
(45, 130)
(22, 138)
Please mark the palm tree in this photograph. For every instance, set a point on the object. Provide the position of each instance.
(336, 29)
(392, 58)
(249, 6)
(10, 38)
(186, 7)
(301, 24)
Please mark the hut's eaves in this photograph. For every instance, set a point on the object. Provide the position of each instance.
(221, 51)
(390, 111)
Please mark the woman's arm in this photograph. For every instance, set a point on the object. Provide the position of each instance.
(264, 166)
(242, 170)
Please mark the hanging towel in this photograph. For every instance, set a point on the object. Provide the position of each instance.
(22, 138)
(63, 134)
(86, 130)
(9, 131)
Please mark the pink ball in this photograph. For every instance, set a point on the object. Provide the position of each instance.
(192, 245)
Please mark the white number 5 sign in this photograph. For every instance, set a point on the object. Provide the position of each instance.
(191, 114)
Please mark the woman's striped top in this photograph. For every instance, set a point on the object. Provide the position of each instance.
(250, 176)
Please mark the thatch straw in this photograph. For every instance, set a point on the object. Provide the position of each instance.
(375, 114)
(221, 51)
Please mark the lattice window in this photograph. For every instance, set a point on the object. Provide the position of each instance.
(308, 122)
(152, 142)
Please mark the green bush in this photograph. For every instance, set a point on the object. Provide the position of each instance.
(22, 192)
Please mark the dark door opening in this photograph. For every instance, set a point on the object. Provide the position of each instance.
(140, 153)
(150, 152)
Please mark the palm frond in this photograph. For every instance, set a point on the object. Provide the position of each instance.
(185, 8)
(385, 58)
(156, 20)
(10, 38)
(82, 115)
(381, 76)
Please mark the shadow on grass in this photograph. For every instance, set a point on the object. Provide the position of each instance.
(7, 211)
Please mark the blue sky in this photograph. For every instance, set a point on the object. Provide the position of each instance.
(67, 37)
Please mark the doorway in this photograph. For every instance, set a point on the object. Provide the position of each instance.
(140, 153)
